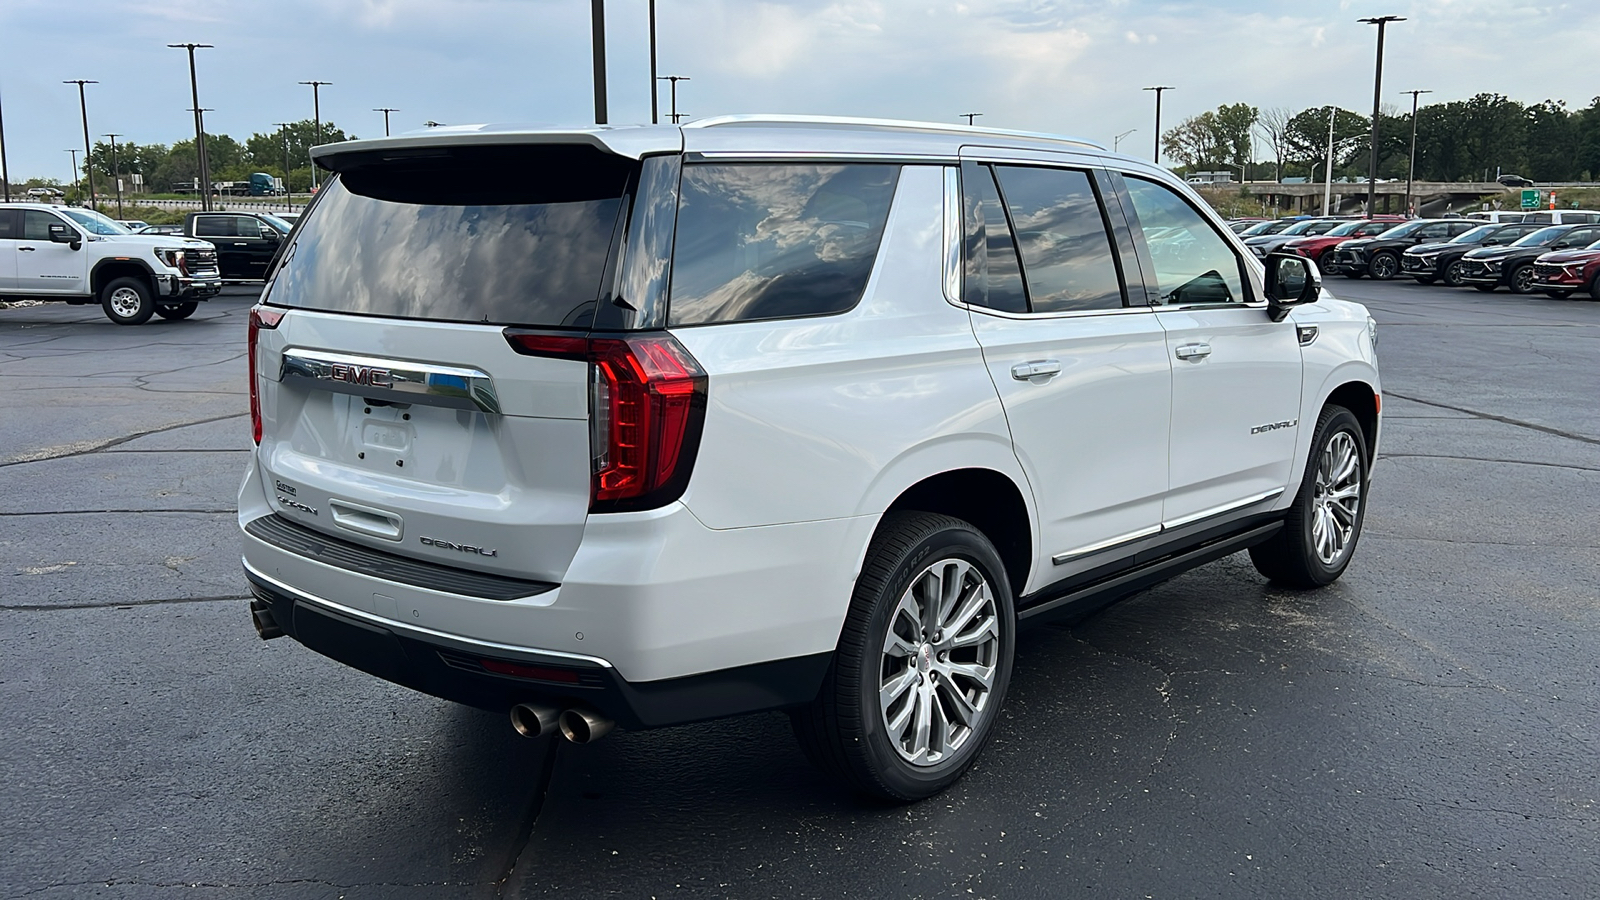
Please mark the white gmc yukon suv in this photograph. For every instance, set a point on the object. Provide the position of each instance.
(649, 425)
(50, 252)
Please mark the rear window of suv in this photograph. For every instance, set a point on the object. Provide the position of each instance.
(503, 236)
(776, 241)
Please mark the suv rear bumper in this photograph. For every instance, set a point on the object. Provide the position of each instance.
(461, 670)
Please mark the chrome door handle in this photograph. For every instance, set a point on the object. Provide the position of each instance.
(1036, 368)
(1193, 351)
(26, 249)
(240, 244)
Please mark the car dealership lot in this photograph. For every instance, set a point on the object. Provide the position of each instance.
(1423, 727)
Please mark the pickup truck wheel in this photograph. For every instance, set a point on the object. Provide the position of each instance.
(1383, 267)
(922, 665)
(1322, 526)
(174, 312)
(1452, 274)
(1521, 280)
(127, 301)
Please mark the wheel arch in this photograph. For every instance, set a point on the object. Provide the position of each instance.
(1361, 398)
(108, 270)
(991, 502)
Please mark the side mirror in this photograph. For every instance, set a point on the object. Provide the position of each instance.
(61, 234)
(1291, 281)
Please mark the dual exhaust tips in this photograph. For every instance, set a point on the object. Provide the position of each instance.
(580, 726)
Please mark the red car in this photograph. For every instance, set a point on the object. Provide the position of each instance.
(1561, 273)
(1314, 247)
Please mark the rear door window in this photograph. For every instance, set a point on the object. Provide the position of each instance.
(776, 241)
(502, 236)
(1065, 241)
(992, 277)
(10, 224)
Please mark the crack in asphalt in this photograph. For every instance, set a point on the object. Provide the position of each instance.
(82, 448)
(1545, 429)
(529, 820)
(118, 604)
(1515, 462)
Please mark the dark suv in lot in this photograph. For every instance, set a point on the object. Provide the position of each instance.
(1490, 267)
(1379, 256)
(1441, 261)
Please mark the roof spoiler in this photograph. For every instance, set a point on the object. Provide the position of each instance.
(631, 141)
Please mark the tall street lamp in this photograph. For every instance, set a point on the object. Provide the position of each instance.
(1411, 173)
(316, 117)
(597, 33)
(83, 107)
(1118, 139)
(288, 190)
(674, 79)
(385, 110)
(972, 118)
(76, 189)
(1159, 89)
(655, 115)
(201, 162)
(116, 172)
(5, 173)
(1377, 95)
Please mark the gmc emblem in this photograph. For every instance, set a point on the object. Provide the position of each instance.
(363, 375)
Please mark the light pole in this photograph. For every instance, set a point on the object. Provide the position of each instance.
(76, 188)
(597, 33)
(116, 172)
(83, 107)
(1327, 187)
(1159, 89)
(199, 126)
(1118, 139)
(316, 117)
(288, 190)
(655, 112)
(1377, 94)
(5, 173)
(674, 79)
(385, 110)
(1411, 173)
(971, 117)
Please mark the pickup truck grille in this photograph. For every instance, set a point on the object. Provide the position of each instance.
(201, 259)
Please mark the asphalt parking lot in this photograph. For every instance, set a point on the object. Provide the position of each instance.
(1423, 728)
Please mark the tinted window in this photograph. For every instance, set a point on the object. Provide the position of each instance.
(1580, 237)
(1542, 237)
(1372, 229)
(10, 224)
(1193, 264)
(36, 225)
(762, 241)
(214, 226)
(1062, 234)
(991, 276)
(504, 236)
(1436, 231)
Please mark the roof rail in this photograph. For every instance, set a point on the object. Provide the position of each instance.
(763, 119)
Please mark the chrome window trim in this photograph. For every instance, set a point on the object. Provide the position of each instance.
(817, 156)
(409, 382)
(952, 235)
(392, 625)
(1061, 314)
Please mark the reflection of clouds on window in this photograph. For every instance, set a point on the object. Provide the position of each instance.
(530, 264)
(1066, 250)
(773, 241)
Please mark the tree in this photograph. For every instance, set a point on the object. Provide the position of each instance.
(265, 150)
(1305, 137)
(1213, 139)
(1553, 148)
(1231, 125)
(1275, 122)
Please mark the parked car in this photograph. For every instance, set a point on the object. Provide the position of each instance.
(1263, 244)
(133, 225)
(653, 425)
(1266, 226)
(1562, 217)
(79, 256)
(1239, 225)
(160, 229)
(1497, 215)
(43, 193)
(1512, 266)
(1316, 247)
(1516, 181)
(1441, 261)
(1564, 272)
(245, 241)
(1379, 256)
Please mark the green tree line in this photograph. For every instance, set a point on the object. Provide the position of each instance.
(166, 168)
(1462, 140)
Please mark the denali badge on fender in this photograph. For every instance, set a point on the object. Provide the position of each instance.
(1274, 426)
(464, 548)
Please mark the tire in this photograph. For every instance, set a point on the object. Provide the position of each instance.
(1558, 295)
(1521, 280)
(1452, 274)
(1486, 288)
(127, 301)
(177, 312)
(1300, 555)
(847, 731)
(1383, 266)
(1594, 287)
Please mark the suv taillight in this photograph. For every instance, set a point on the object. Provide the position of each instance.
(647, 402)
(260, 317)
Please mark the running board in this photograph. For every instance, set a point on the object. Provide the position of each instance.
(1087, 598)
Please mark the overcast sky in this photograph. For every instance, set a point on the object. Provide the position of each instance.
(1067, 66)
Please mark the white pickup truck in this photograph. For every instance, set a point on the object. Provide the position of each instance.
(53, 252)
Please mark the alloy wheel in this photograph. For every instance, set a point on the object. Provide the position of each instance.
(1383, 266)
(939, 660)
(1336, 500)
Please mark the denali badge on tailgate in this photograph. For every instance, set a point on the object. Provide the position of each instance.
(464, 548)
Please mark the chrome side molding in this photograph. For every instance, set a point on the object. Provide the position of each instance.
(1132, 536)
(392, 380)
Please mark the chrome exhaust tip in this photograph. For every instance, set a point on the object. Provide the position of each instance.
(581, 726)
(533, 721)
(261, 616)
